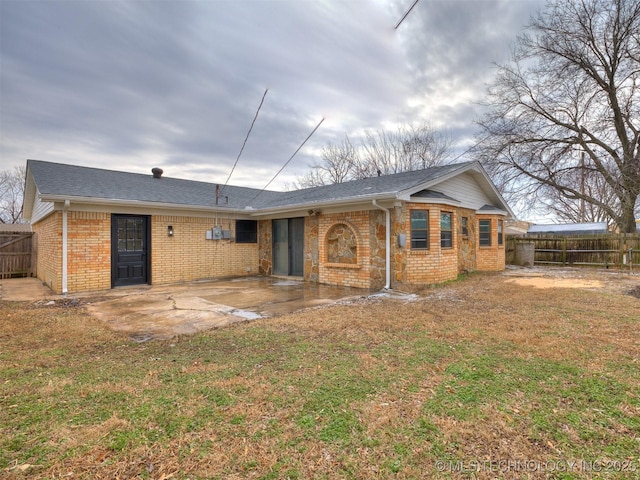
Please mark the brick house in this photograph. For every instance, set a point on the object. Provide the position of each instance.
(98, 229)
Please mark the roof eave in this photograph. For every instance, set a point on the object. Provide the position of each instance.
(137, 203)
(475, 167)
(480, 169)
(29, 194)
(437, 201)
(406, 194)
(496, 211)
(350, 201)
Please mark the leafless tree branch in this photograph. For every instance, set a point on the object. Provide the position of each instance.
(564, 114)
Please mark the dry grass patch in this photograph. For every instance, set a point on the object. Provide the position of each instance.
(476, 370)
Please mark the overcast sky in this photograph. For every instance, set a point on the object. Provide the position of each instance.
(129, 85)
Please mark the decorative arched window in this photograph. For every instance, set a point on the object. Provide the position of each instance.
(342, 244)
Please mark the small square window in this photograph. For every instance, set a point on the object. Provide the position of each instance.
(246, 231)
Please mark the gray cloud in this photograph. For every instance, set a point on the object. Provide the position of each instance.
(129, 84)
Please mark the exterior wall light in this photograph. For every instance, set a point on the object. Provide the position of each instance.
(170, 230)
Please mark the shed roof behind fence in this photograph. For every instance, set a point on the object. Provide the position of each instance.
(15, 227)
(571, 228)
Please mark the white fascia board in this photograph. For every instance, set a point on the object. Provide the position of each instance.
(493, 212)
(363, 201)
(437, 201)
(126, 206)
(30, 193)
(102, 202)
(494, 190)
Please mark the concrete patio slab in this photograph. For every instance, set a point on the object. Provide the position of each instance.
(164, 311)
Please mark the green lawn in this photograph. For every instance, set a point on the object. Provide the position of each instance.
(480, 378)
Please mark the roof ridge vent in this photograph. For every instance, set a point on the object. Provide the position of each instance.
(157, 172)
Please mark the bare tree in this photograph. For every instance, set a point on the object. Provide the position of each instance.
(380, 152)
(578, 209)
(424, 147)
(570, 92)
(335, 166)
(11, 194)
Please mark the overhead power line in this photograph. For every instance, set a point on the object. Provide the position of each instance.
(288, 161)
(405, 15)
(246, 138)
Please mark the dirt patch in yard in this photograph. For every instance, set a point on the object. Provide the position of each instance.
(540, 282)
(613, 281)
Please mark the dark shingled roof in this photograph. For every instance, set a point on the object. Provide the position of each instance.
(367, 187)
(433, 194)
(71, 180)
(57, 179)
(488, 208)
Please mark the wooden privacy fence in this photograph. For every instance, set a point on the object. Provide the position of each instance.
(15, 254)
(605, 250)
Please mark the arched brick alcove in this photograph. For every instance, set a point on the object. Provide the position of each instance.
(342, 244)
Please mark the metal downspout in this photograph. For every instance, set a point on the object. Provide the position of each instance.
(387, 250)
(64, 246)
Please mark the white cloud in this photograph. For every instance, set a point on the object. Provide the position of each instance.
(130, 85)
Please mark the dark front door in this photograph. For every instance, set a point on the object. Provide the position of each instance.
(288, 246)
(130, 255)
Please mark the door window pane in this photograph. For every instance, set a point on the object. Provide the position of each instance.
(130, 234)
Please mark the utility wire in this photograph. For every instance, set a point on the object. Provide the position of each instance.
(287, 162)
(245, 139)
(405, 15)
(482, 140)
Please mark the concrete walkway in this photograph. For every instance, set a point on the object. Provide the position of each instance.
(24, 290)
(164, 311)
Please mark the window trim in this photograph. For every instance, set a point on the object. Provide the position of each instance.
(426, 229)
(450, 230)
(244, 235)
(487, 243)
